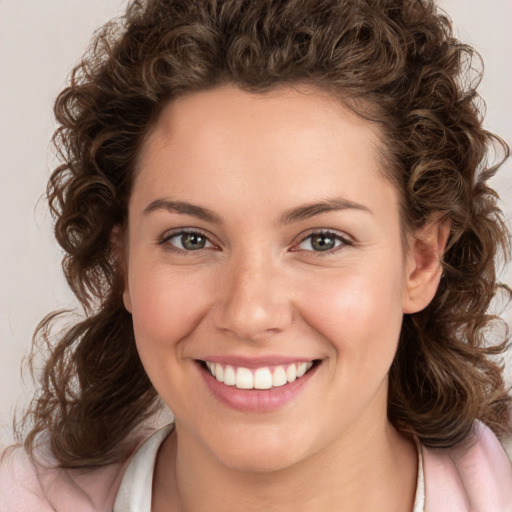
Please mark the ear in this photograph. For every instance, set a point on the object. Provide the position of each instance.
(118, 244)
(423, 264)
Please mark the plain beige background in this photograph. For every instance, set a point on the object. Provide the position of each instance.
(40, 40)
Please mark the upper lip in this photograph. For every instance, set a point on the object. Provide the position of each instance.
(256, 362)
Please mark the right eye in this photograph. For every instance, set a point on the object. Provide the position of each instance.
(187, 241)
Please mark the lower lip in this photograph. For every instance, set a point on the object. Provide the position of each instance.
(255, 400)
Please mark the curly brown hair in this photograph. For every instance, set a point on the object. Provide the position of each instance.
(394, 61)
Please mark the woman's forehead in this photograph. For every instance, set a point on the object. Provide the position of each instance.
(285, 148)
(227, 123)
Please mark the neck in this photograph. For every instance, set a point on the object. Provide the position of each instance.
(375, 473)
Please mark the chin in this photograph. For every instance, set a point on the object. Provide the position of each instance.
(259, 461)
(259, 450)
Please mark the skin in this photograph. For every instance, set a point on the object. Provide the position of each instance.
(258, 288)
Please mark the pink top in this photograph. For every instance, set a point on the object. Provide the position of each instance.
(474, 476)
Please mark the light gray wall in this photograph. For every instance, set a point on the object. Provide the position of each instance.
(40, 40)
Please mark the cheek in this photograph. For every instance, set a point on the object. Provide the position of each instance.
(359, 313)
(166, 306)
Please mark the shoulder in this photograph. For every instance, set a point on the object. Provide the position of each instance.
(38, 484)
(473, 476)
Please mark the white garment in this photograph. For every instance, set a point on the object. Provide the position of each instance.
(136, 487)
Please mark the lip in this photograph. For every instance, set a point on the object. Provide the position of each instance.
(255, 400)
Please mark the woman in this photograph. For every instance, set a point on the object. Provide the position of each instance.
(276, 217)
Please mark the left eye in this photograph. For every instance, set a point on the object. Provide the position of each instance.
(321, 242)
(189, 241)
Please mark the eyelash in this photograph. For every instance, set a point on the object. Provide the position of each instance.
(341, 241)
(165, 241)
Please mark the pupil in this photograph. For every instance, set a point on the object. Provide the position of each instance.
(193, 241)
(322, 242)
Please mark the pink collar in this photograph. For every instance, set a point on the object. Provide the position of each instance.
(474, 476)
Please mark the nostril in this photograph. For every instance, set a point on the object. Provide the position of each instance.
(252, 322)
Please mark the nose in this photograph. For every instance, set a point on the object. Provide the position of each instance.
(253, 302)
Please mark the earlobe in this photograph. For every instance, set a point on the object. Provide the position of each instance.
(127, 299)
(423, 264)
(118, 251)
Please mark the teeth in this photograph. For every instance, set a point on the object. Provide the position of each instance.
(229, 376)
(261, 378)
(219, 372)
(291, 373)
(244, 379)
(279, 377)
(301, 369)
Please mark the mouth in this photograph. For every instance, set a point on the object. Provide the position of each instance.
(260, 378)
(257, 385)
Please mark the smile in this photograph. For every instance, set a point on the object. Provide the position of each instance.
(258, 378)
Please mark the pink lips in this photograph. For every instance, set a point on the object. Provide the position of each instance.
(254, 400)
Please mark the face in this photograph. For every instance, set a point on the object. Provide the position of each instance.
(264, 250)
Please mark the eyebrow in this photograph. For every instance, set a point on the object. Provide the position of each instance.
(310, 210)
(288, 217)
(184, 208)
